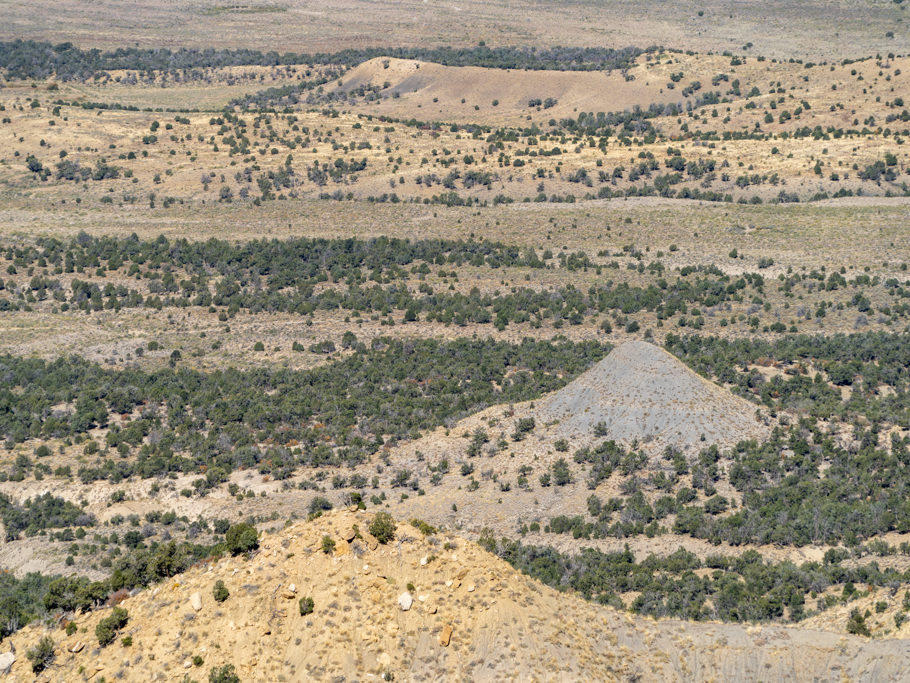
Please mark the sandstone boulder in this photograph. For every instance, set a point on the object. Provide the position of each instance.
(446, 636)
(7, 659)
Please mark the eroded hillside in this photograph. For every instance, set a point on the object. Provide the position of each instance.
(420, 606)
(619, 334)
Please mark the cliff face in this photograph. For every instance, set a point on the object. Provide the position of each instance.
(421, 608)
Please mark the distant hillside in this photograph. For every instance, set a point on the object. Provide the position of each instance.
(430, 91)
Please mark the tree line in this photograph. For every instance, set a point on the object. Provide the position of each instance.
(24, 59)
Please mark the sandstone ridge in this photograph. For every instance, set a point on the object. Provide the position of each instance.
(467, 614)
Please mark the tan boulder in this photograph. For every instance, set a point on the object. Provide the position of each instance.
(7, 659)
(446, 636)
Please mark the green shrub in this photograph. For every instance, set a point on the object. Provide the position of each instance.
(224, 674)
(423, 527)
(306, 606)
(220, 591)
(856, 624)
(328, 545)
(241, 538)
(107, 628)
(561, 473)
(319, 504)
(522, 427)
(41, 655)
(383, 527)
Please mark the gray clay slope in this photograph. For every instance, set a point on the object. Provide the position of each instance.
(645, 394)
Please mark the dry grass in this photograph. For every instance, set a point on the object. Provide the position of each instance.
(855, 234)
(812, 28)
(400, 157)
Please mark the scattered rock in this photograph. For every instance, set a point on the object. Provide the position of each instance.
(446, 636)
(423, 561)
(541, 644)
(196, 601)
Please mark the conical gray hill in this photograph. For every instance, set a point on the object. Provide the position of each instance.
(642, 393)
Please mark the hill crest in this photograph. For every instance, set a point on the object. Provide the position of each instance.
(422, 607)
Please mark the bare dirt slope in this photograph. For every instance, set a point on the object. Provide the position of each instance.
(640, 393)
(469, 616)
(463, 93)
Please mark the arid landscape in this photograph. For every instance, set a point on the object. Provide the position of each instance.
(454, 341)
